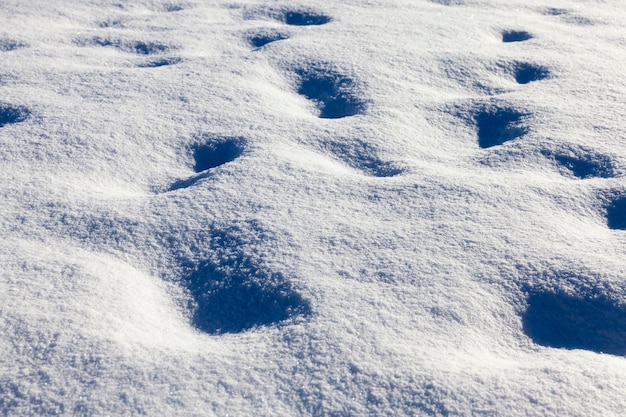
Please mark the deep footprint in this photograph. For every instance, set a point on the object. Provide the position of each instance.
(305, 18)
(525, 72)
(12, 114)
(559, 320)
(264, 37)
(213, 153)
(333, 93)
(582, 163)
(616, 213)
(516, 36)
(496, 124)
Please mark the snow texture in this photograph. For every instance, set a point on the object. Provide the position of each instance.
(339, 208)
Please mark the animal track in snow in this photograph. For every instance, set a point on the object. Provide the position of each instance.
(265, 36)
(334, 94)
(363, 157)
(567, 16)
(12, 114)
(560, 320)
(136, 47)
(515, 36)
(236, 296)
(582, 163)
(233, 292)
(616, 213)
(525, 72)
(293, 17)
(160, 63)
(211, 154)
(495, 123)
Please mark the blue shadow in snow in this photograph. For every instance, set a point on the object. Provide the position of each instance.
(136, 47)
(7, 45)
(302, 18)
(217, 151)
(12, 114)
(264, 37)
(236, 296)
(560, 320)
(160, 63)
(515, 36)
(525, 73)
(497, 125)
(585, 165)
(334, 93)
(616, 213)
(362, 156)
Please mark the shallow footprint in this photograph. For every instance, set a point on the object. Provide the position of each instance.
(238, 296)
(581, 163)
(362, 156)
(160, 63)
(12, 114)
(335, 94)
(560, 320)
(131, 46)
(263, 37)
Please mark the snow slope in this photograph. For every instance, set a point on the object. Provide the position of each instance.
(375, 207)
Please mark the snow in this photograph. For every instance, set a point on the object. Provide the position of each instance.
(303, 208)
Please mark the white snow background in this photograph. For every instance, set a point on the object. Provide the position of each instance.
(338, 208)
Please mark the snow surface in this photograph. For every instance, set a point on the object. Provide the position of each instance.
(339, 208)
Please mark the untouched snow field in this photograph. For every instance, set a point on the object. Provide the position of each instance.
(337, 208)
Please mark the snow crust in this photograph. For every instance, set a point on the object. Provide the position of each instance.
(289, 208)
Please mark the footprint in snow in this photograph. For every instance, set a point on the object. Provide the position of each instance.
(12, 114)
(562, 320)
(233, 292)
(516, 36)
(292, 17)
(263, 37)
(160, 62)
(212, 153)
(525, 72)
(567, 16)
(616, 212)
(361, 156)
(130, 46)
(581, 163)
(494, 123)
(335, 95)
